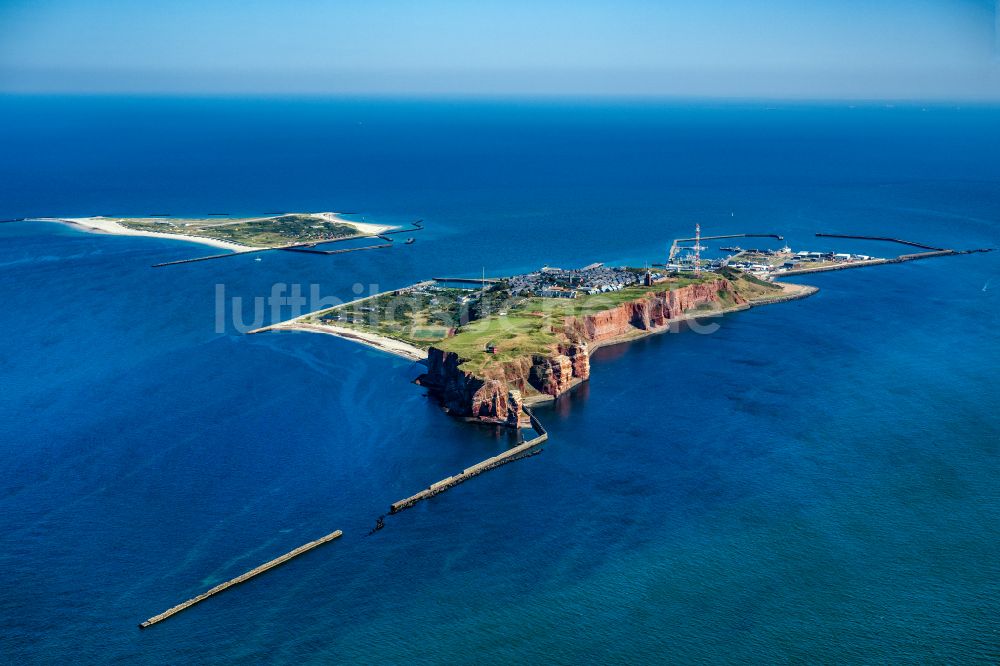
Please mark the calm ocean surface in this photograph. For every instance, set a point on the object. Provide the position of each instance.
(818, 481)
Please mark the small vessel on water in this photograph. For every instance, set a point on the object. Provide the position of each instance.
(734, 248)
(409, 241)
(256, 258)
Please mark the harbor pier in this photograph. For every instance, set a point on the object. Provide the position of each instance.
(674, 247)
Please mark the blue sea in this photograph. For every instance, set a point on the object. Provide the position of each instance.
(816, 482)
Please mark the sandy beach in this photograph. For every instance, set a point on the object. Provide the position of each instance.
(363, 227)
(370, 339)
(789, 291)
(106, 226)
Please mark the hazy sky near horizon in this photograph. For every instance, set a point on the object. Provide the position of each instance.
(930, 49)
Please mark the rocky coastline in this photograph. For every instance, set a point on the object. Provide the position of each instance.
(500, 394)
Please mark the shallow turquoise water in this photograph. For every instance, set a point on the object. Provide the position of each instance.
(816, 481)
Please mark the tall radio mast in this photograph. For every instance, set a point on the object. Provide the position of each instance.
(697, 250)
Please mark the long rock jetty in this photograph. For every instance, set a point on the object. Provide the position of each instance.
(241, 578)
(887, 239)
(508, 456)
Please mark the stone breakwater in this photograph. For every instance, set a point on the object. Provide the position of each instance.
(523, 450)
(267, 566)
(499, 396)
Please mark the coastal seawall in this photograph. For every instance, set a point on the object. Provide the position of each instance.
(498, 396)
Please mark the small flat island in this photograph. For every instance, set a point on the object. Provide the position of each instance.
(239, 234)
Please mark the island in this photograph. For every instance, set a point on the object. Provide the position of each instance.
(239, 234)
(492, 347)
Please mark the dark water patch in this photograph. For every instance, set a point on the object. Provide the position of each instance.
(753, 362)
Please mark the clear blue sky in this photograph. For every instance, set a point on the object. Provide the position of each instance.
(932, 49)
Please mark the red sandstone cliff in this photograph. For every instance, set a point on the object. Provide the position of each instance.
(653, 311)
(463, 394)
(497, 398)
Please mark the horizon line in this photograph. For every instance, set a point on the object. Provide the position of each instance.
(511, 96)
